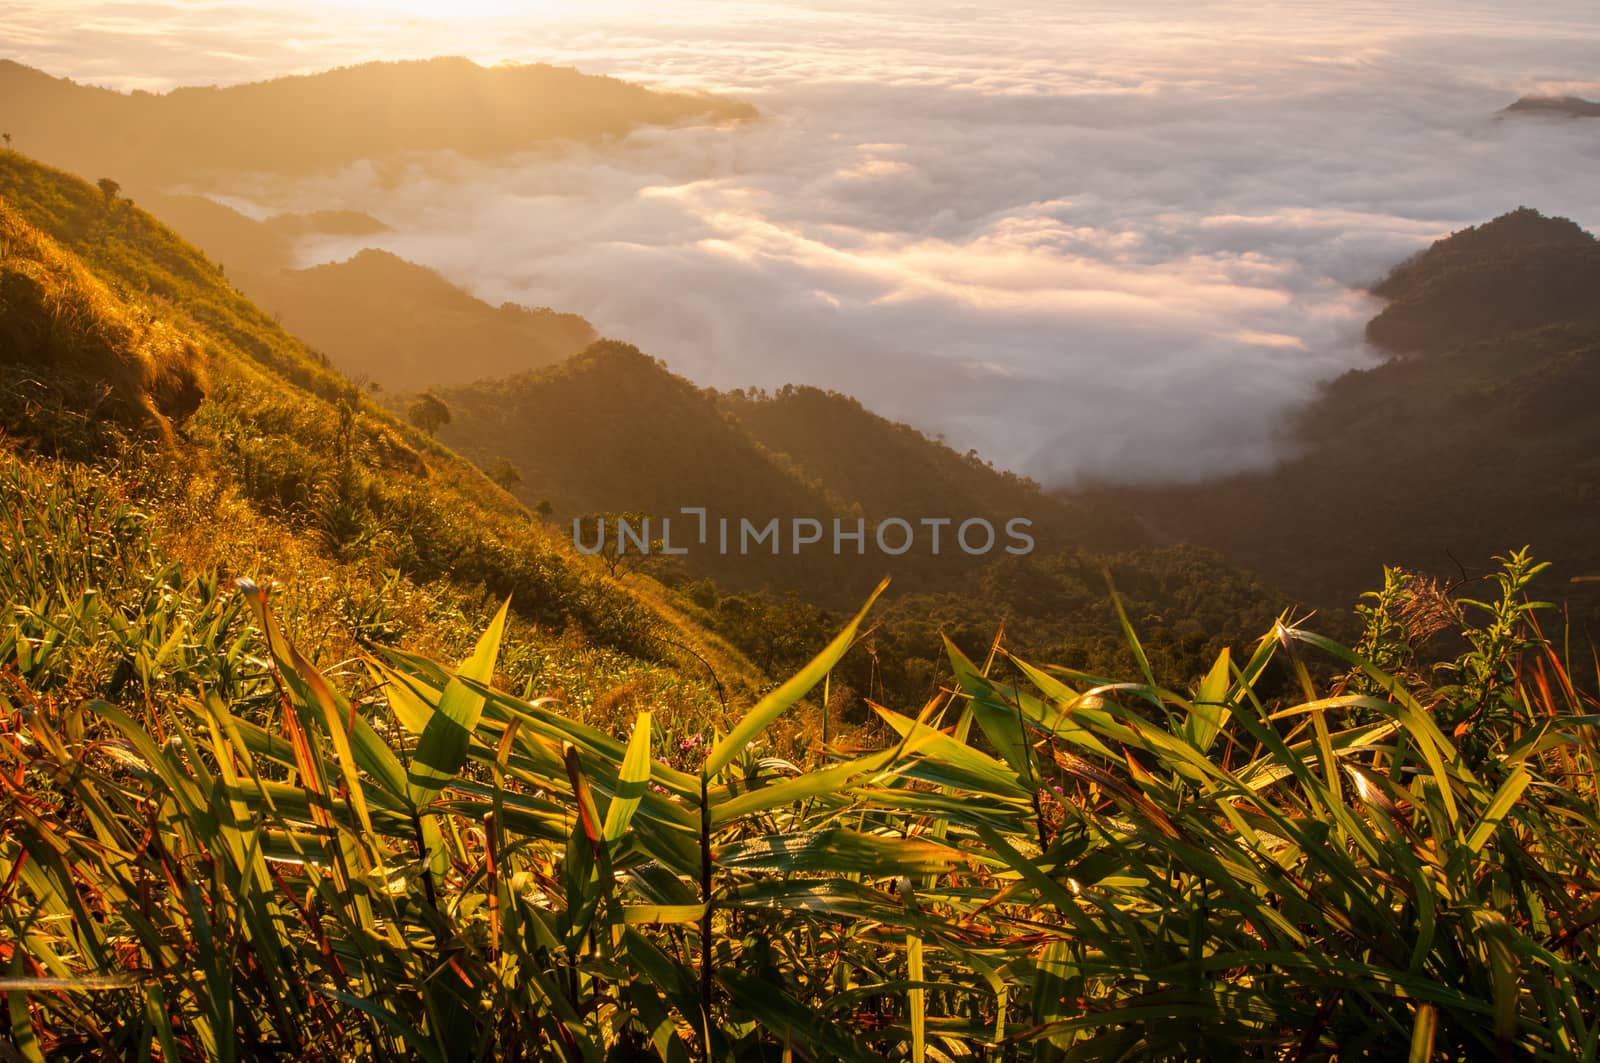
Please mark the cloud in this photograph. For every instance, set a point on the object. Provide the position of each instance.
(1119, 246)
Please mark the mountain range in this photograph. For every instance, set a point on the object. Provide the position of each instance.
(317, 123)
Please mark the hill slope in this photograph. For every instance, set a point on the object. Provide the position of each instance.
(319, 122)
(887, 469)
(1478, 435)
(613, 430)
(377, 316)
(74, 356)
(280, 468)
(245, 245)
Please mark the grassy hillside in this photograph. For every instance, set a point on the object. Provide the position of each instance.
(319, 122)
(249, 811)
(1479, 429)
(214, 850)
(76, 359)
(277, 448)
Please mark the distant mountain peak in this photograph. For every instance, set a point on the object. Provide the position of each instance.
(1561, 106)
(1516, 272)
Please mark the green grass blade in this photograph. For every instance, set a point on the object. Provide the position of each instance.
(442, 749)
(796, 687)
(632, 780)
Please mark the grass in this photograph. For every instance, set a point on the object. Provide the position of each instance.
(236, 854)
(75, 355)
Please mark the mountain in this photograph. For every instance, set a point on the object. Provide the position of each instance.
(887, 469)
(126, 354)
(248, 246)
(1558, 106)
(613, 430)
(377, 317)
(249, 454)
(380, 318)
(1478, 435)
(1521, 272)
(317, 123)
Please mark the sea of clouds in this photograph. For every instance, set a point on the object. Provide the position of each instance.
(1094, 242)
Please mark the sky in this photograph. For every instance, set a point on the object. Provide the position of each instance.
(1096, 242)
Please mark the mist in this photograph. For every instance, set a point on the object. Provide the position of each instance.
(1104, 244)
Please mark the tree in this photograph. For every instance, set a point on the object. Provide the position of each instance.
(110, 189)
(505, 474)
(601, 534)
(544, 509)
(429, 413)
(7, 138)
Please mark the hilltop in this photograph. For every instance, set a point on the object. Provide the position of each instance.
(1478, 431)
(884, 469)
(316, 123)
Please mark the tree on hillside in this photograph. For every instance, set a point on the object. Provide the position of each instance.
(505, 474)
(7, 138)
(429, 413)
(601, 534)
(110, 189)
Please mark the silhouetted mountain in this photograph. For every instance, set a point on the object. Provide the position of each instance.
(1561, 106)
(319, 122)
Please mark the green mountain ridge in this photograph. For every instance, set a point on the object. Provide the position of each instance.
(1476, 435)
(615, 431)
